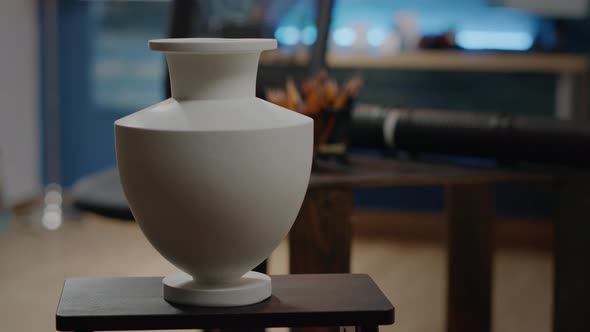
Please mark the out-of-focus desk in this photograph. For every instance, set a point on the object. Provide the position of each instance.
(320, 240)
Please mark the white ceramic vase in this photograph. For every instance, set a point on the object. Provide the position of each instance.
(214, 176)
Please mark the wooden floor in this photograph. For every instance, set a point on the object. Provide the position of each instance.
(404, 253)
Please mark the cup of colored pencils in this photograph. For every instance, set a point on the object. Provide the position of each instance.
(330, 105)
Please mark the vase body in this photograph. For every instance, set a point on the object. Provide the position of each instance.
(214, 176)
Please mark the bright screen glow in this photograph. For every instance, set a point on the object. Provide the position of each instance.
(287, 35)
(309, 34)
(344, 36)
(376, 37)
(494, 40)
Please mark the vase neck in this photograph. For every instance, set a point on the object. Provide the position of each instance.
(198, 76)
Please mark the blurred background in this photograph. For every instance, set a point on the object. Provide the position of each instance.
(70, 68)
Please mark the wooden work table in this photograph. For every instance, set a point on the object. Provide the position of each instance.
(320, 240)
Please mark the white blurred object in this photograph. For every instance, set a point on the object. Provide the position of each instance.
(253, 162)
(407, 25)
(391, 45)
(554, 8)
(52, 215)
(360, 44)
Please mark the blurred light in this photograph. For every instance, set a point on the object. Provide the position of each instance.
(53, 197)
(494, 40)
(344, 36)
(376, 37)
(287, 35)
(309, 34)
(52, 217)
(52, 209)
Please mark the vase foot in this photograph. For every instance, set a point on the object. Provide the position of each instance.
(251, 288)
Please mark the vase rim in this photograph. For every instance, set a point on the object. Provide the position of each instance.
(212, 45)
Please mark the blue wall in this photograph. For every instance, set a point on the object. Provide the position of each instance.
(86, 137)
(86, 126)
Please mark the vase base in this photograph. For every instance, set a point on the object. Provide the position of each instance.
(251, 288)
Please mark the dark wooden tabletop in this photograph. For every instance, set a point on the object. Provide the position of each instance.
(136, 303)
(375, 172)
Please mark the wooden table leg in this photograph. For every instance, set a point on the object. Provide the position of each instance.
(572, 256)
(320, 239)
(321, 236)
(470, 210)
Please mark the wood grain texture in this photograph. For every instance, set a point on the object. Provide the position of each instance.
(136, 303)
(320, 239)
(471, 213)
(572, 255)
(374, 172)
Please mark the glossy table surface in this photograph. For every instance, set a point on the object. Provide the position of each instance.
(134, 303)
